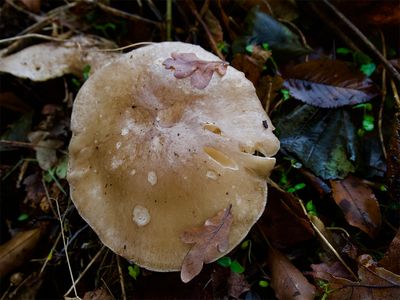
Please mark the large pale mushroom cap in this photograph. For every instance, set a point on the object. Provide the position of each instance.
(151, 156)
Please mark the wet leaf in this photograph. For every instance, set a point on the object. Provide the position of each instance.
(18, 131)
(328, 84)
(374, 283)
(99, 294)
(189, 65)
(391, 260)
(323, 140)
(45, 147)
(358, 203)
(51, 60)
(17, 250)
(210, 240)
(262, 28)
(286, 280)
(283, 214)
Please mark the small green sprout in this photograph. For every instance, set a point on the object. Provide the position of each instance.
(285, 94)
(249, 48)
(296, 187)
(234, 265)
(263, 283)
(134, 271)
(311, 209)
(85, 72)
(23, 217)
(368, 122)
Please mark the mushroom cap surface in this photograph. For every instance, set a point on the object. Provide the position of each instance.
(152, 157)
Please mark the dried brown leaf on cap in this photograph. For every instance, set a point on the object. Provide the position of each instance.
(199, 71)
(358, 203)
(209, 240)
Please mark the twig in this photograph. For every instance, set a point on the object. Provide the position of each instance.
(119, 13)
(395, 94)
(383, 97)
(121, 278)
(388, 66)
(213, 44)
(124, 47)
(168, 20)
(31, 35)
(33, 16)
(49, 256)
(66, 250)
(84, 271)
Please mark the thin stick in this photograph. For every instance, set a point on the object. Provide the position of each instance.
(395, 94)
(50, 254)
(388, 66)
(168, 20)
(121, 278)
(31, 35)
(85, 271)
(384, 91)
(213, 45)
(33, 16)
(124, 47)
(125, 15)
(66, 250)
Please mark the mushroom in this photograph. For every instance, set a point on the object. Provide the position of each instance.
(152, 156)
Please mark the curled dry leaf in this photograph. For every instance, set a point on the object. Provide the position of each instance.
(358, 203)
(329, 84)
(210, 241)
(286, 280)
(14, 252)
(199, 71)
(51, 60)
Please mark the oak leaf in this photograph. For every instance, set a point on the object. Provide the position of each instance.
(210, 240)
(199, 71)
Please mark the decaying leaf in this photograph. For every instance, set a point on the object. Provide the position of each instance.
(99, 294)
(210, 241)
(374, 282)
(284, 214)
(323, 140)
(227, 283)
(327, 84)
(391, 260)
(199, 71)
(358, 203)
(45, 148)
(51, 60)
(14, 252)
(286, 280)
(328, 271)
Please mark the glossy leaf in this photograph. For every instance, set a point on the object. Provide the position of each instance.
(328, 84)
(358, 203)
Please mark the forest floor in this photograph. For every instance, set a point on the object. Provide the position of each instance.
(327, 75)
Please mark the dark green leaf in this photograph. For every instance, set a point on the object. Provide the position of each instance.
(18, 131)
(329, 84)
(323, 140)
(263, 29)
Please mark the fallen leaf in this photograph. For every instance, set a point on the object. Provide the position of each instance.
(327, 271)
(55, 59)
(374, 283)
(45, 148)
(358, 203)
(322, 140)
(199, 71)
(210, 241)
(327, 84)
(284, 214)
(393, 158)
(286, 280)
(391, 260)
(32, 5)
(237, 285)
(34, 187)
(264, 29)
(17, 250)
(99, 294)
